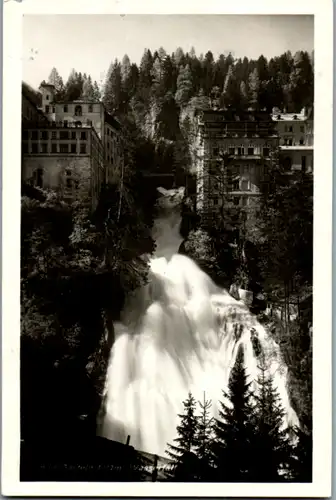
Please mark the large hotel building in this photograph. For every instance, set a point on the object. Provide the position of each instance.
(69, 147)
(233, 150)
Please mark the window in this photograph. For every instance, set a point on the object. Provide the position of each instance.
(250, 151)
(236, 200)
(44, 135)
(34, 135)
(47, 97)
(290, 142)
(25, 147)
(244, 201)
(54, 148)
(38, 177)
(108, 159)
(47, 109)
(90, 108)
(108, 131)
(266, 152)
(54, 134)
(215, 200)
(78, 111)
(240, 151)
(302, 129)
(64, 148)
(287, 163)
(83, 149)
(34, 147)
(44, 147)
(303, 164)
(290, 129)
(64, 135)
(231, 151)
(235, 185)
(73, 148)
(108, 145)
(245, 185)
(25, 135)
(65, 123)
(83, 136)
(301, 141)
(73, 135)
(65, 108)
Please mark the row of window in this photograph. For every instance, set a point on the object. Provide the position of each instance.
(43, 148)
(234, 185)
(288, 141)
(78, 109)
(242, 151)
(35, 135)
(289, 128)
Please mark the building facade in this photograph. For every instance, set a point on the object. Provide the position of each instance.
(296, 140)
(232, 152)
(75, 149)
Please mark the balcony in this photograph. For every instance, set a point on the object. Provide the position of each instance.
(298, 147)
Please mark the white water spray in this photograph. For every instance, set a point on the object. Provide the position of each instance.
(179, 333)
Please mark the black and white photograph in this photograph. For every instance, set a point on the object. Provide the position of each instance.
(167, 225)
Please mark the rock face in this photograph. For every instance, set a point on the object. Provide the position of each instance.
(246, 296)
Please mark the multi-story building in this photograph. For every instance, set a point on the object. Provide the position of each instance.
(76, 148)
(296, 140)
(231, 153)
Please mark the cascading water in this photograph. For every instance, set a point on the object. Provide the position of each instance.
(177, 334)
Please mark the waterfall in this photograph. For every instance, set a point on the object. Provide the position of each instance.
(177, 334)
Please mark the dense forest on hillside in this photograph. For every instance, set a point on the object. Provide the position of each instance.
(75, 269)
(160, 95)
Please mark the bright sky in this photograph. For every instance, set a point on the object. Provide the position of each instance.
(89, 43)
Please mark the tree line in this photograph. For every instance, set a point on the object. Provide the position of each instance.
(248, 442)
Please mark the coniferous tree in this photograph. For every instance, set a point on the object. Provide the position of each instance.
(56, 80)
(231, 91)
(271, 437)
(233, 449)
(205, 438)
(254, 86)
(184, 86)
(112, 90)
(88, 90)
(74, 86)
(182, 454)
(96, 92)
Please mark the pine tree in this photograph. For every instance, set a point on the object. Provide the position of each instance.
(88, 90)
(271, 438)
(112, 89)
(243, 95)
(233, 450)
(184, 460)
(96, 92)
(254, 85)
(145, 77)
(205, 437)
(73, 86)
(56, 80)
(184, 86)
(230, 94)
